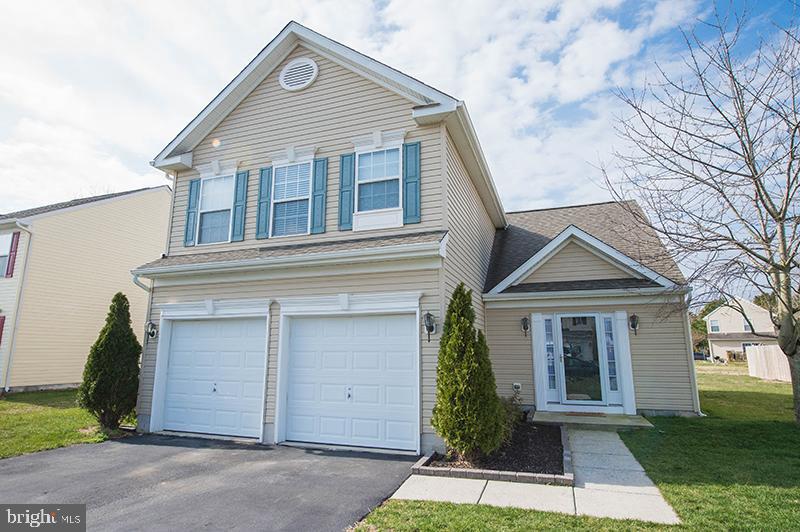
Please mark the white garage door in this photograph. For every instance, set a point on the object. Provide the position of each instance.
(353, 381)
(215, 378)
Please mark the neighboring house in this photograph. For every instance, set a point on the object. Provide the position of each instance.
(326, 206)
(61, 265)
(729, 333)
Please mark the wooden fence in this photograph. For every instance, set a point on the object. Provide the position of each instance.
(768, 362)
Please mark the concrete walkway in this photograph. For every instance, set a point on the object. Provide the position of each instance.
(609, 482)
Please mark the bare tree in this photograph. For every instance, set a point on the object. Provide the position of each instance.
(712, 156)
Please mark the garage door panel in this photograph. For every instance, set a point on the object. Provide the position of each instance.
(371, 357)
(215, 376)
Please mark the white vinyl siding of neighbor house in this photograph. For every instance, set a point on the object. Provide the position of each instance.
(470, 233)
(731, 321)
(659, 351)
(425, 281)
(9, 291)
(78, 259)
(338, 107)
(575, 263)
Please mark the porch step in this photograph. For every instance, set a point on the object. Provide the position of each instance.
(592, 421)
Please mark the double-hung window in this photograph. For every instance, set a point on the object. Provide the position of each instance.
(291, 191)
(378, 180)
(5, 251)
(714, 325)
(747, 327)
(216, 202)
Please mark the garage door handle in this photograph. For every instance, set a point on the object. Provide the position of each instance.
(215, 387)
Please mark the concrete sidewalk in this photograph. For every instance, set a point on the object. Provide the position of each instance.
(609, 482)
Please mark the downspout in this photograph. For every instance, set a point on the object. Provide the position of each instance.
(139, 283)
(7, 369)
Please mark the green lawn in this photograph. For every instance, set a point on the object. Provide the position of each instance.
(36, 421)
(737, 468)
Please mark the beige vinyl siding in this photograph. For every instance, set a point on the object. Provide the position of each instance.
(79, 258)
(425, 281)
(661, 367)
(470, 233)
(9, 291)
(575, 263)
(337, 107)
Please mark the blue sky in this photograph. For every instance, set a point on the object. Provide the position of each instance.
(90, 91)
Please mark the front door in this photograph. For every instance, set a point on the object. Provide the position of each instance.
(582, 365)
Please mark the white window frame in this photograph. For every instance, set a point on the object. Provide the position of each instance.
(399, 177)
(746, 325)
(711, 326)
(200, 211)
(5, 252)
(272, 200)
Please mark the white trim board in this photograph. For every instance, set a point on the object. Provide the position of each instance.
(573, 233)
(374, 254)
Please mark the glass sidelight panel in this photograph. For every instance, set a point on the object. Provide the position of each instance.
(581, 356)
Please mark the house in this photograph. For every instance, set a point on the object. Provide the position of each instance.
(729, 333)
(326, 206)
(61, 265)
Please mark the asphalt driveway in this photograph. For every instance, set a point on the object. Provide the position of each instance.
(170, 483)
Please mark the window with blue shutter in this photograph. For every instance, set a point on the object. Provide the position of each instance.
(239, 206)
(347, 169)
(191, 213)
(412, 211)
(319, 191)
(264, 193)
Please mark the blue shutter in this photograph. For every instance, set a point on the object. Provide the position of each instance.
(264, 192)
(319, 193)
(239, 205)
(189, 231)
(411, 184)
(347, 172)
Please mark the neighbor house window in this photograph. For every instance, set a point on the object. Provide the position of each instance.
(747, 327)
(5, 249)
(378, 180)
(216, 201)
(714, 325)
(291, 189)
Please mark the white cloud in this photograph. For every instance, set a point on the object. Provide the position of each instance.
(90, 91)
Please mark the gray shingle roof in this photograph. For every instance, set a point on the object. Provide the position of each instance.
(739, 336)
(596, 284)
(71, 203)
(611, 222)
(222, 257)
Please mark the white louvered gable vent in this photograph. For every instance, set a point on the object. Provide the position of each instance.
(298, 74)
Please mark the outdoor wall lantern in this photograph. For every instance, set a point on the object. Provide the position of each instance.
(430, 324)
(151, 330)
(526, 325)
(633, 322)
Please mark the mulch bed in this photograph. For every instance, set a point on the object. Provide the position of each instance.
(533, 449)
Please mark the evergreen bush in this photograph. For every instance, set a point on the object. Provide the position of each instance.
(111, 375)
(468, 414)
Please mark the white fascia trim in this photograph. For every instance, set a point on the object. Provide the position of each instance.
(216, 308)
(406, 251)
(584, 294)
(574, 232)
(351, 303)
(567, 299)
(182, 161)
(271, 56)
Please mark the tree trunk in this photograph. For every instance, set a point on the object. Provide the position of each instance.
(794, 369)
